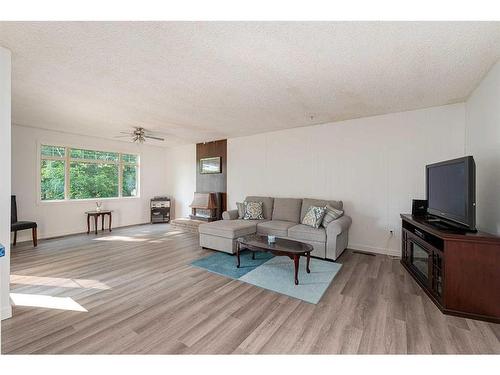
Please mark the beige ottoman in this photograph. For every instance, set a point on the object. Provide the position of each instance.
(221, 235)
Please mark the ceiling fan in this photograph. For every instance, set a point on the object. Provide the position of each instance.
(139, 135)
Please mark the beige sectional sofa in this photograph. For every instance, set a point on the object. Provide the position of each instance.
(282, 217)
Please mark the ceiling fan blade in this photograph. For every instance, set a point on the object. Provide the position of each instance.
(122, 136)
(125, 133)
(157, 138)
(155, 132)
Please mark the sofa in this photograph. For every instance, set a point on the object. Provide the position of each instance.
(282, 218)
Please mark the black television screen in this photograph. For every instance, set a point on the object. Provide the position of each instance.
(451, 191)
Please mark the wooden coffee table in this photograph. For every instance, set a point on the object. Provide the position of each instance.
(282, 247)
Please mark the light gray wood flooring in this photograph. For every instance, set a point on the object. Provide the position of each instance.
(142, 296)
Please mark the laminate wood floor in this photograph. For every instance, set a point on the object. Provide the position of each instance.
(138, 294)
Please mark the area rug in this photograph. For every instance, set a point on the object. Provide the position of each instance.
(274, 273)
(225, 264)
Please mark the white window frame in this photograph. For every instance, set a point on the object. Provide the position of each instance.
(67, 160)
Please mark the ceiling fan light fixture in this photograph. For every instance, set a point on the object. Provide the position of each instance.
(139, 135)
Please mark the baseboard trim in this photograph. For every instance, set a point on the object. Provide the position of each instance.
(376, 250)
(6, 312)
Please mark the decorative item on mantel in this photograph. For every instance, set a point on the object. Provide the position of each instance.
(2, 250)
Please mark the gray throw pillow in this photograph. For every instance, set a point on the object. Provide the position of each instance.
(241, 209)
(314, 216)
(331, 214)
(253, 211)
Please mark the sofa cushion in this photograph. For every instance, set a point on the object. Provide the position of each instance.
(267, 205)
(307, 233)
(253, 211)
(331, 214)
(241, 209)
(287, 209)
(314, 216)
(307, 202)
(275, 228)
(229, 228)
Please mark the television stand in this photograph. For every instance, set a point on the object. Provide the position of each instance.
(457, 270)
(444, 225)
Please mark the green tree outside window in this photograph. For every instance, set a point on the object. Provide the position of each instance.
(91, 174)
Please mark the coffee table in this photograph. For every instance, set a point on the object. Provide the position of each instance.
(282, 247)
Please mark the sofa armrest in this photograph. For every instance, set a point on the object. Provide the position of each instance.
(230, 215)
(338, 226)
(337, 237)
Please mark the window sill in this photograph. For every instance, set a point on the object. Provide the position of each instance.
(66, 201)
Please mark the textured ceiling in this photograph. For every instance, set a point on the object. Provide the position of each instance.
(200, 81)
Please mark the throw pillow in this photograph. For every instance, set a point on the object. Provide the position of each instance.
(241, 210)
(331, 214)
(253, 211)
(314, 216)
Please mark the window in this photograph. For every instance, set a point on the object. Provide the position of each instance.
(73, 173)
(52, 172)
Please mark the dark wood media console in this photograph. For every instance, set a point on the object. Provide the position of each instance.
(460, 272)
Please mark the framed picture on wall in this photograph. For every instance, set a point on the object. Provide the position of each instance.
(210, 165)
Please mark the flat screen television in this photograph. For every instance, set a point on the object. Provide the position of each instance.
(451, 191)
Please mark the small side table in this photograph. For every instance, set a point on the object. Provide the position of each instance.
(95, 215)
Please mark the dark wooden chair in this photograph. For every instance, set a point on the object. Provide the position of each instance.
(16, 225)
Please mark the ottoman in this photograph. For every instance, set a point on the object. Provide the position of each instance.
(221, 235)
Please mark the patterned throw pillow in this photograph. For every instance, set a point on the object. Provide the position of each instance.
(241, 210)
(314, 216)
(253, 211)
(330, 215)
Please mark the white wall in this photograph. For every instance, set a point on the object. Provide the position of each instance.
(60, 218)
(5, 145)
(483, 142)
(182, 178)
(376, 165)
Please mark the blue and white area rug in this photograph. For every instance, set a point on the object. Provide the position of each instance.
(274, 273)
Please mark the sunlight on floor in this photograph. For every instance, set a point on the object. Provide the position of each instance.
(137, 239)
(165, 235)
(48, 302)
(58, 282)
(173, 232)
(121, 238)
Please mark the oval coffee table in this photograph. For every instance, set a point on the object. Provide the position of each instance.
(282, 247)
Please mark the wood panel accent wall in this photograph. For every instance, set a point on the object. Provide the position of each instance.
(206, 183)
